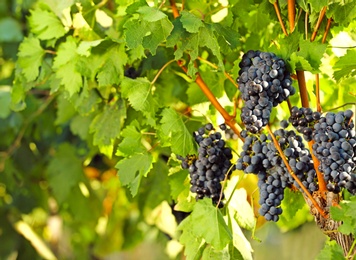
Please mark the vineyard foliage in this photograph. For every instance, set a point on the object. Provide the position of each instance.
(98, 99)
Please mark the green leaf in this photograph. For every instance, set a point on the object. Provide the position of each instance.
(346, 65)
(317, 5)
(106, 126)
(194, 245)
(132, 140)
(239, 240)
(211, 253)
(30, 58)
(113, 64)
(149, 30)
(299, 63)
(10, 30)
(191, 22)
(65, 110)
(79, 125)
(212, 227)
(312, 52)
(230, 35)
(64, 171)
(343, 14)
(132, 169)
(5, 101)
(332, 250)
(173, 127)
(84, 47)
(295, 211)
(65, 66)
(139, 93)
(346, 214)
(46, 25)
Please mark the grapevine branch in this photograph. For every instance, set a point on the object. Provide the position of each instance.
(327, 29)
(291, 14)
(276, 8)
(321, 181)
(321, 211)
(318, 23)
(229, 120)
(302, 88)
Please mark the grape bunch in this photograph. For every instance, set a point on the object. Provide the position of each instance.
(304, 119)
(335, 148)
(264, 82)
(260, 156)
(210, 166)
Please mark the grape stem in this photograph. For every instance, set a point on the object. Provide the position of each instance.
(229, 120)
(302, 88)
(321, 181)
(321, 211)
(291, 14)
(276, 8)
(327, 29)
(318, 23)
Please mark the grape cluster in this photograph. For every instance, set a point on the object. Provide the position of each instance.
(210, 166)
(304, 119)
(335, 148)
(264, 82)
(260, 156)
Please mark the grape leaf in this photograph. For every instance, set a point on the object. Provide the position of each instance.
(157, 192)
(346, 214)
(317, 5)
(191, 22)
(331, 250)
(139, 93)
(212, 227)
(175, 181)
(131, 142)
(295, 211)
(46, 25)
(173, 126)
(106, 126)
(194, 245)
(65, 66)
(30, 57)
(299, 63)
(79, 125)
(239, 241)
(312, 52)
(10, 30)
(132, 169)
(211, 253)
(64, 171)
(5, 101)
(345, 66)
(150, 29)
(113, 63)
(343, 14)
(65, 110)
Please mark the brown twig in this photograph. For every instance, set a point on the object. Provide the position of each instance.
(306, 192)
(291, 14)
(276, 8)
(321, 181)
(318, 23)
(174, 8)
(302, 88)
(327, 29)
